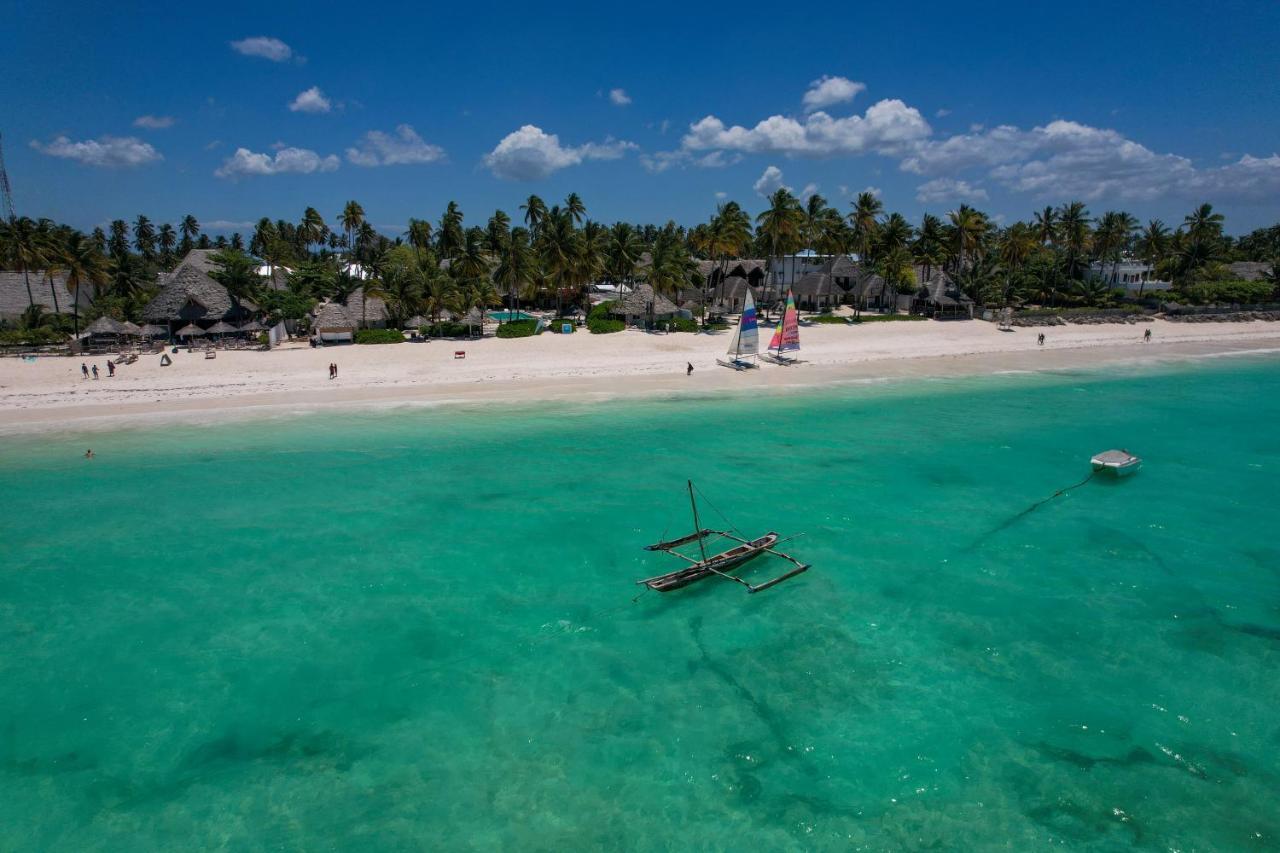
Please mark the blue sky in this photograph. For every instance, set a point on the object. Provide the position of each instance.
(266, 108)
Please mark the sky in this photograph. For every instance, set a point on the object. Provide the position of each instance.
(651, 112)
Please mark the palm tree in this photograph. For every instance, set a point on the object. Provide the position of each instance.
(21, 249)
(575, 208)
(419, 235)
(1073, 233)
(352, 217)
(144, 237)
(623, 253)
(970, 228)
(558, 248)
(671, 268)
(1019, 242)
(168, 241)
(497, 232)
(450, 235)
(779, 226)
(515, 270)
(190, 229)
(312, 228)
(535, 211)
(1153, 245)
(1045, 226)
(864, 219)
(83, 265)
(1203, 224)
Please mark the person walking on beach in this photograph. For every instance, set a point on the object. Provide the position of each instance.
(331, 370)
(95, 371)
(111, 369)
(335, 370)
(84, 369)
(689, 370)
(1040, 340)
(1146, 336)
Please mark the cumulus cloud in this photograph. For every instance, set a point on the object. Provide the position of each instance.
(948, 189)
(1066, 158)
(263, 46)
(302, 161)
(827, 91)
(887, 127)
(530, 154)
(769, 182)
(619, 97)
(403, 147)
(311, 101)
(104, 151)
(224, 224)
(154, 122)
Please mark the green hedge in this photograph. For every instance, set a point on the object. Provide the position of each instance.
(42, 336)
(557, 325)
(604, 325)
(829, 319)
(1242, 292)
(379, 336)
(447, 330)
(601, 311)
(681, 324)
(518, 329)
(889, 318)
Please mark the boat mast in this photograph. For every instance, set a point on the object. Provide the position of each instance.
(697, 525)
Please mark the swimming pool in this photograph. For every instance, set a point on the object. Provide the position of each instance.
(507, 316)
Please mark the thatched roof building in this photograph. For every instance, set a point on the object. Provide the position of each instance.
(375, 314)
(189, 295)
(642, 303)
(105, 325)
(818, 290)
(332, 321)
(939, 297)
(1249, 270)
(14, 300)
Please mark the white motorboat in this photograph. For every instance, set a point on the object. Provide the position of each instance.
(1122, 463)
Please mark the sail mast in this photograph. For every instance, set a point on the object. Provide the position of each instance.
(697, 525)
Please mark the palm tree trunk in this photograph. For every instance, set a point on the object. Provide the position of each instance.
(27, 279)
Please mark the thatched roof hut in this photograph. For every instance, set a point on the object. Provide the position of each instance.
(818, 290)
(105, 325)
(332, 321)
(643, 301)
(375, 314)
(189, 294)
(938, 296)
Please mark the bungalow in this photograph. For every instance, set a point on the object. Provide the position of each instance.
(189, 295)
(642, 305)
(939, 297)
(332, 322)
(715, 272)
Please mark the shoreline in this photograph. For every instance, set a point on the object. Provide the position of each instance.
(49, 395)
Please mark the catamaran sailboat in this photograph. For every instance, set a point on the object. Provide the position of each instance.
(717, 564)
(786, 338)
(746, 338)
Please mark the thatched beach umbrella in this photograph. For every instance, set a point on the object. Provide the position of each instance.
(151, 330)
(221, 328)
(189, 331)
(253, 326)
(132, 329)
(107, 326)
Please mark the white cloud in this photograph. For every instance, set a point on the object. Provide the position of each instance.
(809, 189)
(311, 101)
(301, 161)
(619, 97)
(263, 46)
(530, 153)
(103, 151)
(875, 191)
(721, 194)
(660, 161)
(1066, 158)
(154, 122)
(948, 189)
(942, 112)
(384, 149)
(887, 127)
(827, 91)
(769, 182)
(224, 224)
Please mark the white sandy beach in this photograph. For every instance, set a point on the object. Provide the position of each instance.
(51, 391)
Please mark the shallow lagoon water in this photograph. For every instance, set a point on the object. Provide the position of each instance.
(418, 628)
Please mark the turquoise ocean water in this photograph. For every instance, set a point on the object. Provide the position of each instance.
(415, 629)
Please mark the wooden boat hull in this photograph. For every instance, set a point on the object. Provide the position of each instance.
(723, 563)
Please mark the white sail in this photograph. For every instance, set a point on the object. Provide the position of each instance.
(746, 337)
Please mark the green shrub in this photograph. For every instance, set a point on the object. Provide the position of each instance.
(1241, 292)
(557, 325)
(42, 336)
(604, 325)
(379, 336)
(829, 319)
(447, 330)
(518, 329)
(889, 318)
(682, 324)
(600, 312)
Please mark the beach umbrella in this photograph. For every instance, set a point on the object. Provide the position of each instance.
(222, 328)
(130, 328)
(253, 326)
(106, 326)
(151, 330)
(189, 330)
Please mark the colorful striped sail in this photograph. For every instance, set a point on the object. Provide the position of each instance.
(746, 339)
(786, 337)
